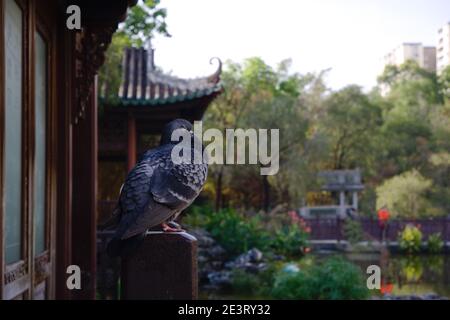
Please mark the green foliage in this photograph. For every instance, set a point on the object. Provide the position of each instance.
(110, 74)
(254, 284)
(245, 283)
(198, 216)
(353, 231)
(444, 82)
(332, 279)
(143, 22)
(410, 239)
(405, 195)
(289, 240)
(236, 233)
(435, 244)
(350, 123)
(390, 137)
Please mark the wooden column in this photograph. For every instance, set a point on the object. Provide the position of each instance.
(132, 141)
(164, 267)
(84, 195)
(64, 85)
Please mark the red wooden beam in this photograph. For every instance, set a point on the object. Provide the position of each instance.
(132, 141)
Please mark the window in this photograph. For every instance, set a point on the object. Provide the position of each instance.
(40, 83)
(13, 130)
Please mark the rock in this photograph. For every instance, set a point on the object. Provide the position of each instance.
(215, 273)
(255, 255)
(211, 259)
(291, 268)
(220, 279)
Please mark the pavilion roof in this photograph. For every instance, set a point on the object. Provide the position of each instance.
(144, 85)
(341, 180)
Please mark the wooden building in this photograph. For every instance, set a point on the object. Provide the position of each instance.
(131, 124)
(48, 143)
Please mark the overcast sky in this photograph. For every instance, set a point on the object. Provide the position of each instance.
(348, 36)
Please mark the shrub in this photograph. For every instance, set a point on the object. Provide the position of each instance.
(290, 240)
(236, 233)
(245, 283)
(435, 243)
(410, 239)
(353, 231)
(197, 216)
(333, 279)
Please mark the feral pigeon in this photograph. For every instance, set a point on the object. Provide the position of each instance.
(156, 191)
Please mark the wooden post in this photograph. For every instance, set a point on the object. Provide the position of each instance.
(84, 204)
(164, 267)
(338, 228)
(444, 233)
(132, 143)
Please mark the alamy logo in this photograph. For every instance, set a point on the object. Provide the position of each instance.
(73, 22)
(239, 146)
(74, 280)
(374, 280)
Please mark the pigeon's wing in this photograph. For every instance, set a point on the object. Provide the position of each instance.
(156, 190)
(139, 211)
(154, 214)
(179, 186)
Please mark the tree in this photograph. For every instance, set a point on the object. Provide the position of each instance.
(259, 96)
(405, 195)
(444, 83)
(350, 124)
(143, 22)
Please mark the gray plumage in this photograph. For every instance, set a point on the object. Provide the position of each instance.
(155, 191)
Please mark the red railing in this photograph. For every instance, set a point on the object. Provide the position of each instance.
(332, 229)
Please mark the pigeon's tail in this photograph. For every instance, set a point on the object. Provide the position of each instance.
(112, 221)
(124, 248)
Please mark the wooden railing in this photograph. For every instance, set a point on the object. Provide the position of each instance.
(333, 229)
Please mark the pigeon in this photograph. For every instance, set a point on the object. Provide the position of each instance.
(156, 191)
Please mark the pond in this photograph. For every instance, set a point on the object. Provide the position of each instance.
(402, 275)
(409, 274)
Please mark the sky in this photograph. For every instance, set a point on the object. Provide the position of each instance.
(348, 36)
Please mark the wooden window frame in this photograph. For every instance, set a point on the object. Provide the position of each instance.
(31, 270)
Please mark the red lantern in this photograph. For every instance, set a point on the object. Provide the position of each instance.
(383, 215)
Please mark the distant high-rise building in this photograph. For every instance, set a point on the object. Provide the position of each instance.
(443, 48)
(424, 56)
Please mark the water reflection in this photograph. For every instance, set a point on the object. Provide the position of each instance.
(410, 274)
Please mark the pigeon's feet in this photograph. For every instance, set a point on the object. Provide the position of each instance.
(172, 227)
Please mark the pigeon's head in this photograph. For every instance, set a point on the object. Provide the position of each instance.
(173, 125)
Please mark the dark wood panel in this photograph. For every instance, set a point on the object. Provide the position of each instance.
(2, 143)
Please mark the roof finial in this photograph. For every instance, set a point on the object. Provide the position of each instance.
(150, 54)
(215, 77)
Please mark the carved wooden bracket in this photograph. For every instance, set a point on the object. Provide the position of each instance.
(90, 47)
(42, 267)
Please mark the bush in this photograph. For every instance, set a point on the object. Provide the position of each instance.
(236, 233)
(353, 231)
(435, 243)
(332, 279)
(410, 239)
(245, 283)
(254, 284)
(290, 241)
(198, 216)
